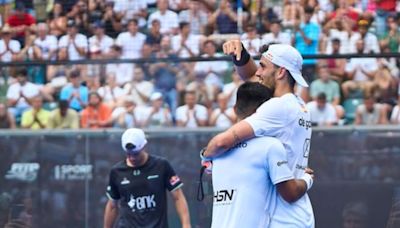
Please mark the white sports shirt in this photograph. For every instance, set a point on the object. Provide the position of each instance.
(244, 182)
(287, 119)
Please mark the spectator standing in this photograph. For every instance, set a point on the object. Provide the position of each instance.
(195, 16)
(164, 74)
(276, 35)
(306, 42)
(223, 116)
(191, 115)
(75, 93)
(322, 112)
(20, 94)
(20, 21)
(131, 41)
(73, 45)
(129, 9)
(96, 114)
(36, 118)
(7, 120)
(169, 19)
(370, 113)
(139, 88)
(157, 115)
(63, 117)
(9, 48)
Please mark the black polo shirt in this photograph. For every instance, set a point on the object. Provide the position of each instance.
(141, 192)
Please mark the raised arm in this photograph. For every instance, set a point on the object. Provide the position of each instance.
(244, 64)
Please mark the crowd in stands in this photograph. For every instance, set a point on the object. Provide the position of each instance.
(363, 91)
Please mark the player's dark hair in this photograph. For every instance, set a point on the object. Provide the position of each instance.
(291, 80)
(250, 96)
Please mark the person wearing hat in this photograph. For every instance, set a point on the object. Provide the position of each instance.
(9, 48)
(73, 45)
(370, 39)
(137, 187)
(285, 116)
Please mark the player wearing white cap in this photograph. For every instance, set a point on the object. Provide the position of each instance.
(139, 184)
(285, 117)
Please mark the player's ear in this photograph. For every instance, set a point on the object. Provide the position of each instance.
(281, 73)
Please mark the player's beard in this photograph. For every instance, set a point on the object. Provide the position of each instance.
(269, 81)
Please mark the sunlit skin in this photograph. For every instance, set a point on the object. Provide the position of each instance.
(266, 73)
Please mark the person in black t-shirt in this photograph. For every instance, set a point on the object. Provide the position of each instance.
(138, 184)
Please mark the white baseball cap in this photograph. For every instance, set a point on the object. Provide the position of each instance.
(288, 57)
(155, 96)
(136, 138)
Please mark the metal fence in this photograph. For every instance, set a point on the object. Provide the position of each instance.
(58, 178)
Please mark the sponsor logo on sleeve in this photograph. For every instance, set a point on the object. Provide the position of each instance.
(174, 180)
(152, 177)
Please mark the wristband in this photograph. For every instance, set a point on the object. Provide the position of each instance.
(202, 157)
(245, 57)
(308, 179)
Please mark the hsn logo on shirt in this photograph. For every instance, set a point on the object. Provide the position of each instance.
(224, 197)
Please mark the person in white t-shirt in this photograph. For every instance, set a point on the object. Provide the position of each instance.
(45, 45)
(139, 88)
(276, 35)
(230, 89)
(129, 9)
(285, 116)
(246, 193)
(169, 19)
(251, 40)
(20, 94)
(131, 41)
(157, 115)
(223, 116)
(122, 71)
(100, 43)
(322, 112)
(73, 45)
(185, 44)
(9, 48)
(361, 72)
(191, 115)
(111, 93)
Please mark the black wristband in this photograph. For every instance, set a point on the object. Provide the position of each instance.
(245, 57)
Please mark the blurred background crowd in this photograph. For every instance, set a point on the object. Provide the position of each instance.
(360, 90)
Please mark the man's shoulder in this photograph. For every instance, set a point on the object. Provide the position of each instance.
(119, 165)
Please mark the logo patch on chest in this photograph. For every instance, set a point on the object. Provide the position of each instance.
(152, 177)
(125, 181)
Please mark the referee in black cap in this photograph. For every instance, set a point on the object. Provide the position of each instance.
(137, 188)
